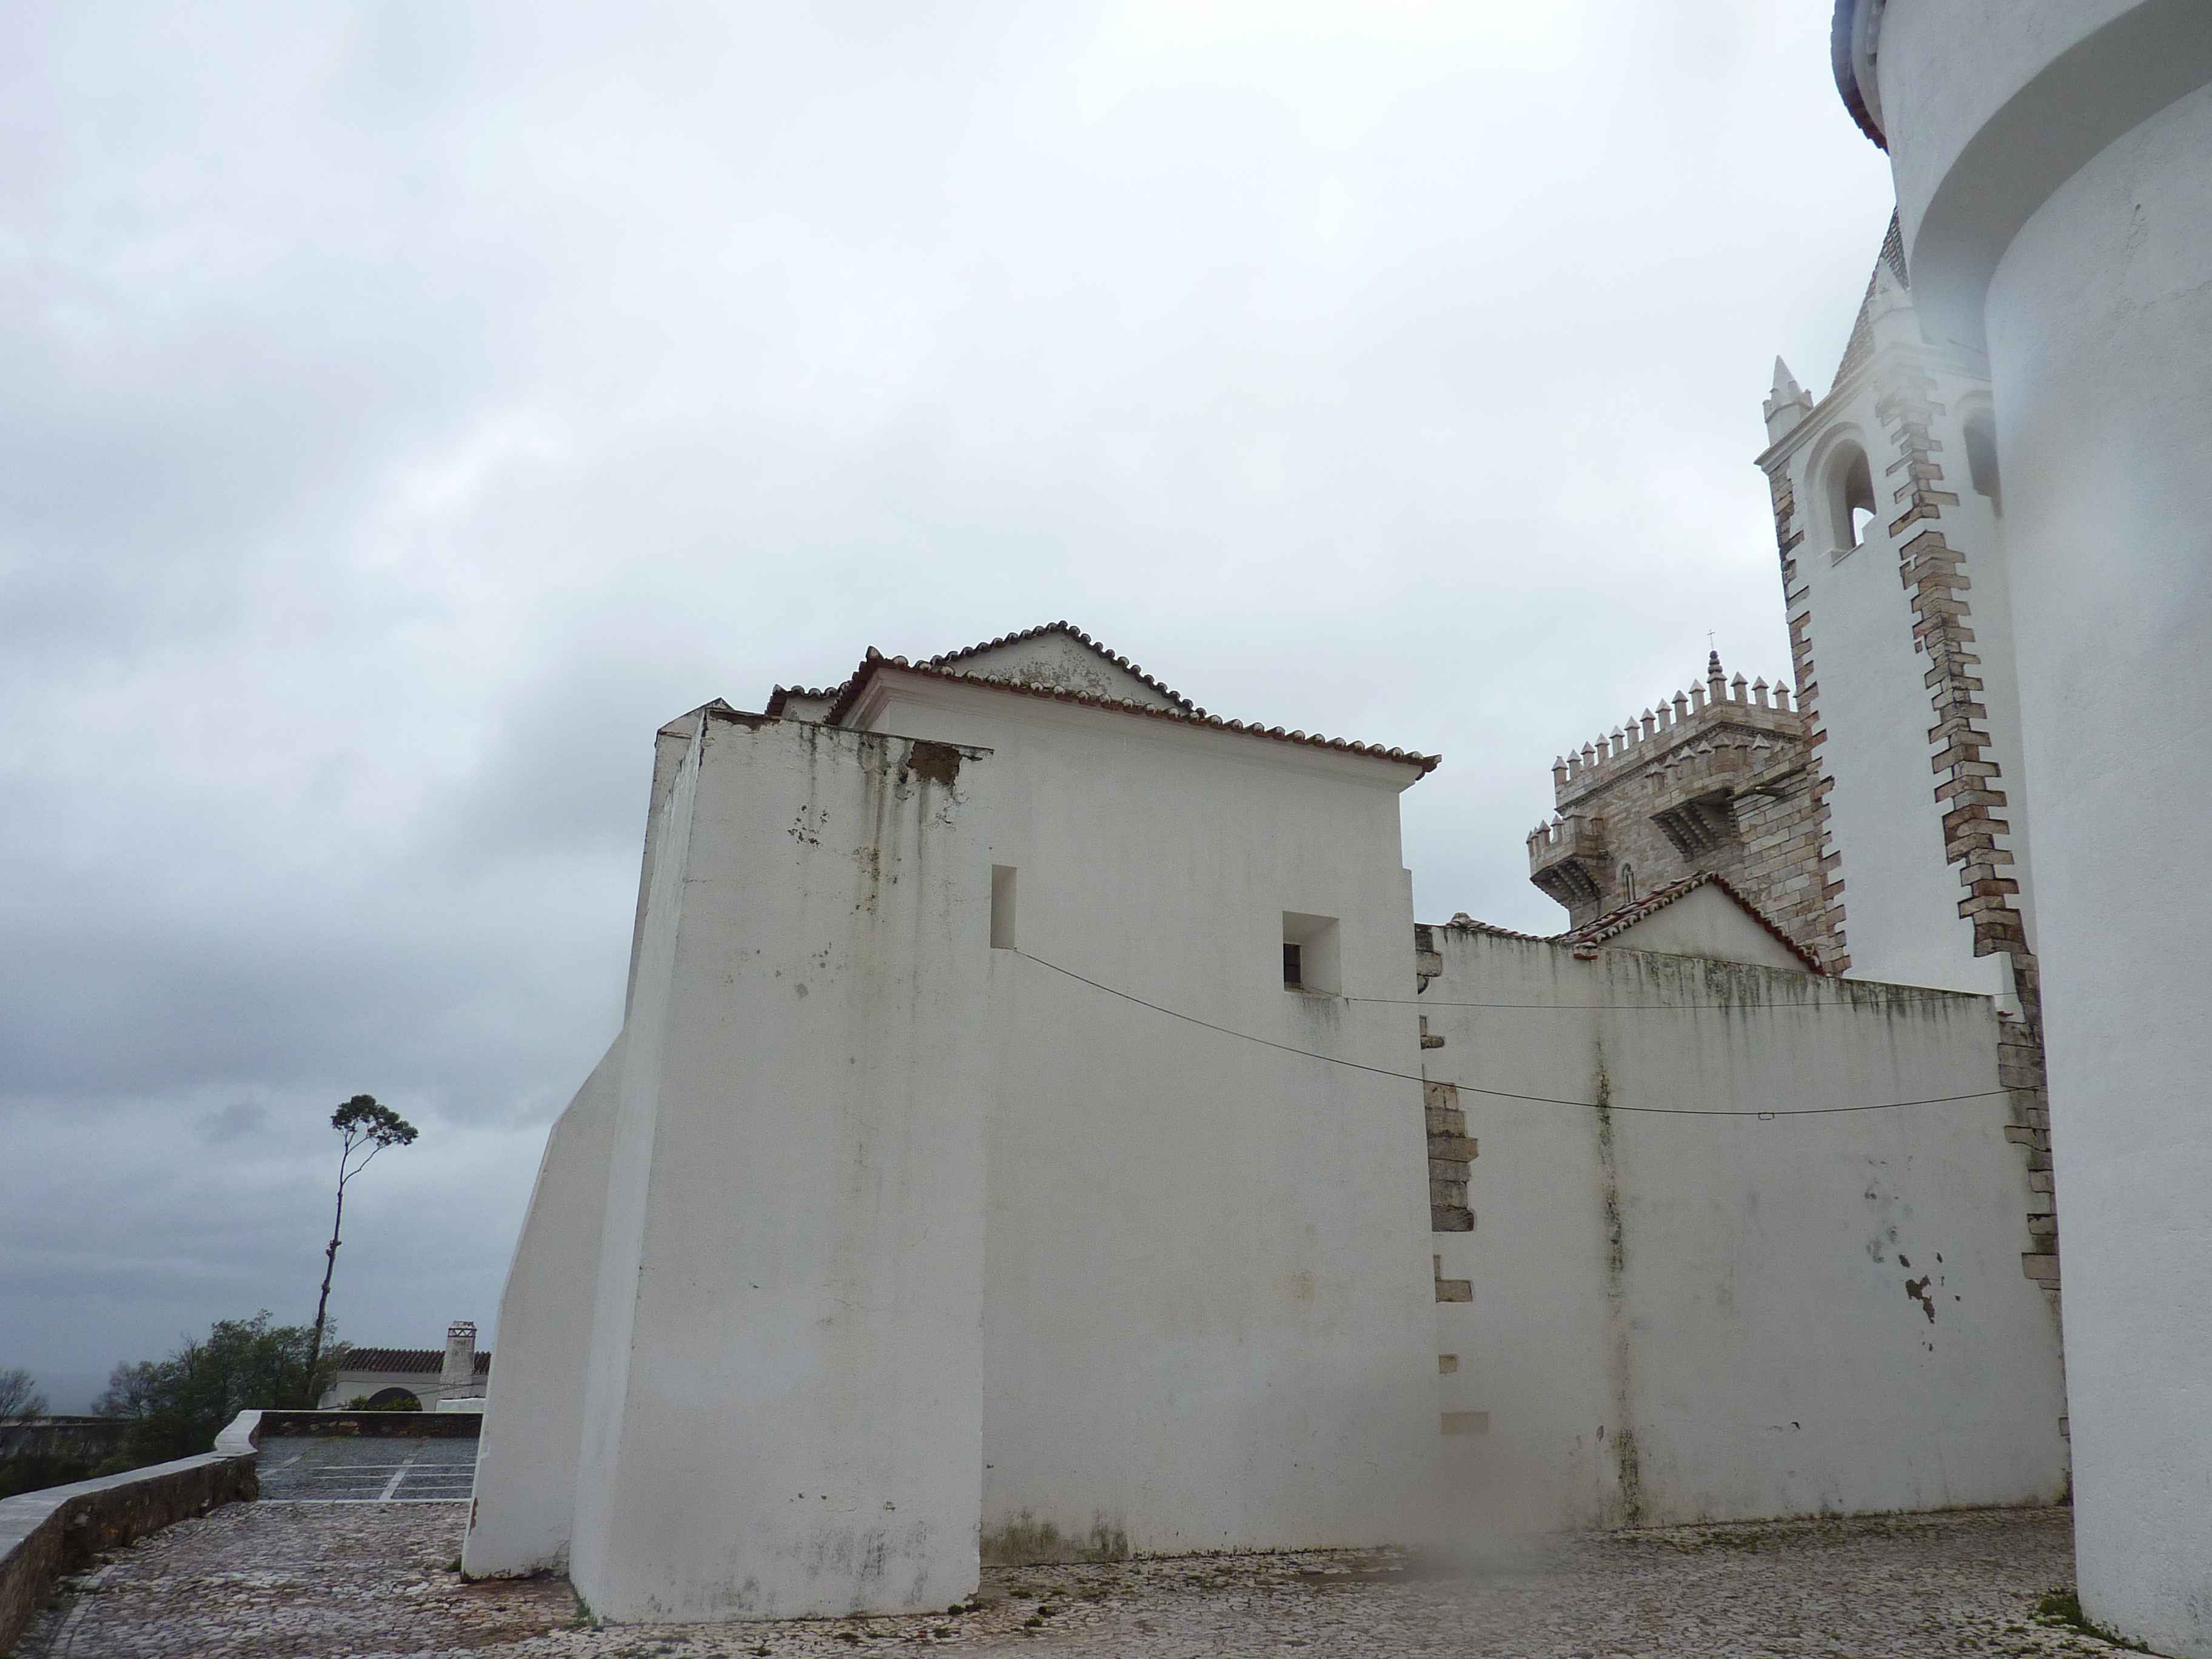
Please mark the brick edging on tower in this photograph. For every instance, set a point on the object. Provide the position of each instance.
(1829, 942)
(1968, 776)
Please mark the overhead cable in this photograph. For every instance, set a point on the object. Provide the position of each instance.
(1504, 1094)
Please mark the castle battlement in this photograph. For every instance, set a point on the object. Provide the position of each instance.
(1710, 780)
(1676, 721)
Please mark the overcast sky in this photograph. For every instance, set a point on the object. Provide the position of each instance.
(408, 407)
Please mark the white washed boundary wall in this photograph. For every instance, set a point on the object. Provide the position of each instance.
(1721, 1318)
(783, 1397)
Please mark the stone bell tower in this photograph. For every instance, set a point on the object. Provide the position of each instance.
(1889, 520)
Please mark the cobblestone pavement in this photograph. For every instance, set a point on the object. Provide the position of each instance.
(375, 1581)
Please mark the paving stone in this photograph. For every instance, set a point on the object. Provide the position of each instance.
(374, 1581)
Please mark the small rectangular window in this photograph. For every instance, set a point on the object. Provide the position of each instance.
(1310, 953)
(1002, 907)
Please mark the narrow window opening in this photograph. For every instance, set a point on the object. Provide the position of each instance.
(1310, 953)
(1851, 508)
(1002, 907)
(1628, 884)
(1982, 461)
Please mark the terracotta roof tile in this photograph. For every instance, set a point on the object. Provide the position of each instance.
(1081, 638)
(406, 1359)
(1467, 924)
(875, 662)
(783, 694)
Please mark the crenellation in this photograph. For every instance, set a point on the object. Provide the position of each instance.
(1710, 779)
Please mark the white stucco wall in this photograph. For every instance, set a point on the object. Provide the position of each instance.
(1680, 1318)
(2091, 125)
(525, 1488)
(1988, 105)
(783, 1401)
(1207, 1303)
(2101, 326)
(1707, 922)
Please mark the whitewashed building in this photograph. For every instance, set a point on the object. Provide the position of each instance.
(432, 1378)
(1040, 1130)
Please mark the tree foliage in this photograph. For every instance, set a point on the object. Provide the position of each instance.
(24, 1465)
(176, 1405)
(367, 1127)
(20, 1399)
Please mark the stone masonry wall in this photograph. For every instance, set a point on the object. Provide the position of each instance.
(1452, 1150)
(1716, 780)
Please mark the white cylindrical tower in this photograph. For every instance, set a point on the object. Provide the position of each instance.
(2053, 162)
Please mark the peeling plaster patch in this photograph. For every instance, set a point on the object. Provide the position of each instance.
(936, 762)
(1917, 1290)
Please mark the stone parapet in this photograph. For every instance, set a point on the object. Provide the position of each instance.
(47, 1533)
(1566, 859)
(409, 1425)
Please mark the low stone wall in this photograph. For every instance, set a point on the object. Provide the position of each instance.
(44, 1534)
(91, 1438)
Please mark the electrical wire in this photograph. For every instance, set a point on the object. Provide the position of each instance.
(1504, 1094)
(1573, 1008)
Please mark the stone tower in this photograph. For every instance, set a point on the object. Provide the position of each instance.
(1713, 781)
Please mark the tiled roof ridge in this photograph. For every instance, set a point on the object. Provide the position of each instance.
(406, 1360)
(945, 660)
(783, 694)
(1615, 922)
(1861, 341)
(1467, 924)
(849, 693)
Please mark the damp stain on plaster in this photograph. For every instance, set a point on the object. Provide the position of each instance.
(1628, 1467)
(1027, 1541)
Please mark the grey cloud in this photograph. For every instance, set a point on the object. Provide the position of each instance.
(236, 1122)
